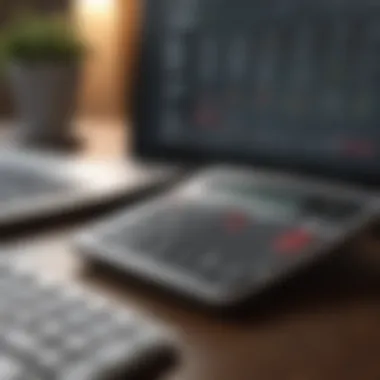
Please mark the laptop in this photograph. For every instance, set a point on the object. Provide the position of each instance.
(277, 103)
(38, 186)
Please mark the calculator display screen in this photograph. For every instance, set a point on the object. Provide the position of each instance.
(268, 199)
(291, 82)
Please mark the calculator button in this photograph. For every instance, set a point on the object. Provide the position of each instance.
(331, 209)
(235, 222)
(293, 242)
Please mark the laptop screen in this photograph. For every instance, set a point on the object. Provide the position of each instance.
(291, 84)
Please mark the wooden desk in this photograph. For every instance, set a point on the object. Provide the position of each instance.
(324, 325)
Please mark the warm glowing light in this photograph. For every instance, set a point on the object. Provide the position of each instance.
(98, 21)
(98, 6)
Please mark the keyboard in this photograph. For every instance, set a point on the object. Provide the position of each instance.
(220, 240)
(50, 331)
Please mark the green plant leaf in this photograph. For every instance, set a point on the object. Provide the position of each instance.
(36, 38)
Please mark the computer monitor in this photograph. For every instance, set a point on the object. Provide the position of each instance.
(286, 83)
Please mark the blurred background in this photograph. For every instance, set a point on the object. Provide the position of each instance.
(109, 28)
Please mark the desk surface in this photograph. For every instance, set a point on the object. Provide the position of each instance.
(323, 325)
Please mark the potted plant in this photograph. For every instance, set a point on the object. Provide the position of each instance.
(43, 56)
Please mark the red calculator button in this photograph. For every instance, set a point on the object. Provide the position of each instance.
(293, 242)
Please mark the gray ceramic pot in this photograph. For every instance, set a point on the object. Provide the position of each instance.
(45, 99)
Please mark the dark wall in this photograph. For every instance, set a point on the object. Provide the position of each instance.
(9, 8)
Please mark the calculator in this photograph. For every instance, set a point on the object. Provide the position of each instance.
(228, 233)
(55, 331)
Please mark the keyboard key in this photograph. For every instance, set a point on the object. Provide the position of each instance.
(41, 343)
